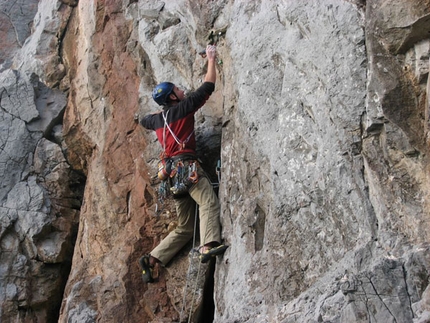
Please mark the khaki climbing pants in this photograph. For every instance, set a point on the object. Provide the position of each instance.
(203, 194)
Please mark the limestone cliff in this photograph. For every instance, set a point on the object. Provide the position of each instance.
(320, 119)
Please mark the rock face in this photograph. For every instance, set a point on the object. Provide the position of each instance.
(41, 197)
(320, 118)
(16, 19)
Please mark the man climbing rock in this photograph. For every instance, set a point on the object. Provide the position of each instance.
(181, 173)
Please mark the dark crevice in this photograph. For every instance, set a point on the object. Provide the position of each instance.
(211, 164)
(259, 228)
(208, 304)
(405, 279)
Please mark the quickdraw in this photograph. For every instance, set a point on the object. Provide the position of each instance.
(184, 175)
(176, 177)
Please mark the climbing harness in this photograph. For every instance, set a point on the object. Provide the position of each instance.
(176, 175)
(181, 170)
(184, 175)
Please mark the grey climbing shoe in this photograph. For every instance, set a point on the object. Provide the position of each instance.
(213, 252)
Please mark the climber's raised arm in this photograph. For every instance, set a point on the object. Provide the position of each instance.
(211, 72)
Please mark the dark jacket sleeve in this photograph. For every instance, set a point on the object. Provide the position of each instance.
(197, 99)
(148, 122)
(190, 104)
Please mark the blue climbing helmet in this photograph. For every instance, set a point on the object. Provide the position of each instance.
(161, 92)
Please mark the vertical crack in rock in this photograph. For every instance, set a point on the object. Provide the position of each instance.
(259, 228)
(128, 206)
(407, 287)
(60, 37)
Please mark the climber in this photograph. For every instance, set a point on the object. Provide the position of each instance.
(180, 169)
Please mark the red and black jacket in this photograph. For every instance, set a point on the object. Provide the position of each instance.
(180, 120)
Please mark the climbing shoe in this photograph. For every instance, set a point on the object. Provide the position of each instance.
(146, 269)
(213, 252)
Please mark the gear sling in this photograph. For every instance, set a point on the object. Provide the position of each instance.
(179, 173)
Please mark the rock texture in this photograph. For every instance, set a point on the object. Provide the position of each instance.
(41, 197)
(320, 119)
(16, 19)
